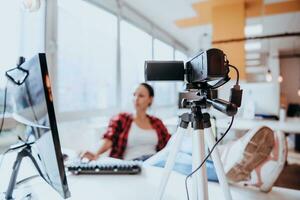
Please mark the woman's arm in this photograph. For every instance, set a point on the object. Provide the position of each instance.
(107, 144)
(109, 137)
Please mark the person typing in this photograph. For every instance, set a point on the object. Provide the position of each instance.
(134, 136)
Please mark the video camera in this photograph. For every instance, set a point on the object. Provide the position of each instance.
(206, 66)
(198, 73)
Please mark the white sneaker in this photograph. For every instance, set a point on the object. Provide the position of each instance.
(244, 155)
(265, 175)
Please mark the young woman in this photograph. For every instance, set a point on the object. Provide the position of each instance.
(134, 135)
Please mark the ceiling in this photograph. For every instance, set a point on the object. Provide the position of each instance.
(165, 13)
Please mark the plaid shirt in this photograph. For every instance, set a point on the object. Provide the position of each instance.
(118, 130)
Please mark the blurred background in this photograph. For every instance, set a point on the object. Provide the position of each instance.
(96, 51)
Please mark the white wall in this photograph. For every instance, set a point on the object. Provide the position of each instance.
(290, 71)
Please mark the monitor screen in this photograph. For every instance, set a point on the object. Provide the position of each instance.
(33, 107)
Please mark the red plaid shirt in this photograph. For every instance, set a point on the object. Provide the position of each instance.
(118, 130)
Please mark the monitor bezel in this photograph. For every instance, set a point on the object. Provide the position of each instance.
(53, 125)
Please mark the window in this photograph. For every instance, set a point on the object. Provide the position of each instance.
(86, 57)
(22, 34)
(165, 93)
(9, 36)
(180, 56)
(136, 47)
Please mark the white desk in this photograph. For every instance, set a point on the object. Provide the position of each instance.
(290, 125)
(131, 187)
(9, 121)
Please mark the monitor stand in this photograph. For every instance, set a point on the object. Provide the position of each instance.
(25, 152)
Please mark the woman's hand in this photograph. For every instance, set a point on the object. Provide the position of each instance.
(106, 145)
(89, 155)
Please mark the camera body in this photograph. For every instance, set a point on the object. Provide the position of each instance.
(206, 66)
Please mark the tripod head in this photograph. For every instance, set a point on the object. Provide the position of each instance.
(208, 97)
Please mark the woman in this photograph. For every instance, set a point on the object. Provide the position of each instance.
(134, 136)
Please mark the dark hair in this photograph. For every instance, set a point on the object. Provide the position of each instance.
(149, 88)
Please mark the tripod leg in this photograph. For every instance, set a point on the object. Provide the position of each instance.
(200, 189)
(209, 139)
(170, 162)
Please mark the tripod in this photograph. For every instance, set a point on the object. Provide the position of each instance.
(202, 132)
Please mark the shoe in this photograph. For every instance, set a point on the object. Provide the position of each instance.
(241, 157)
(265, 175)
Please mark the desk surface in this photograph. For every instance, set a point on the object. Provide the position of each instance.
(9, 121)
(143, 186)
(290, 125)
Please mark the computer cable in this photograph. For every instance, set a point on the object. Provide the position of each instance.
(27, 179)
(4, 107)
(237, 74)
(208, 155)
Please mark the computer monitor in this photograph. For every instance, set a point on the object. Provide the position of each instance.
(33, 106)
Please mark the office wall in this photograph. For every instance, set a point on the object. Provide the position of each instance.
(290, 71)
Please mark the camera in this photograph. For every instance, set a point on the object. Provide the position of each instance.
(206, 66)
(198, 73)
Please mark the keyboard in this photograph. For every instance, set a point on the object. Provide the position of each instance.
(104, 167)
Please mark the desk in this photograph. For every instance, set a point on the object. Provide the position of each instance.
(132, 187)
(9, 121)
(290, 125)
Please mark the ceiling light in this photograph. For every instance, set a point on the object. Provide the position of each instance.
(298, 92)
(250, 56)
(252, 62)
(252, 46)
(251, 30)
(31, 5)
(280, 79)
(269, 76)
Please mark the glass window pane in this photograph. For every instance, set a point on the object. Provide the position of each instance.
(180, 56)
(162, 51)
(33, 32)
(21, 34)
(86, 71)
(9, 36)
(136, 47)
(9, 44)
(165, 91)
